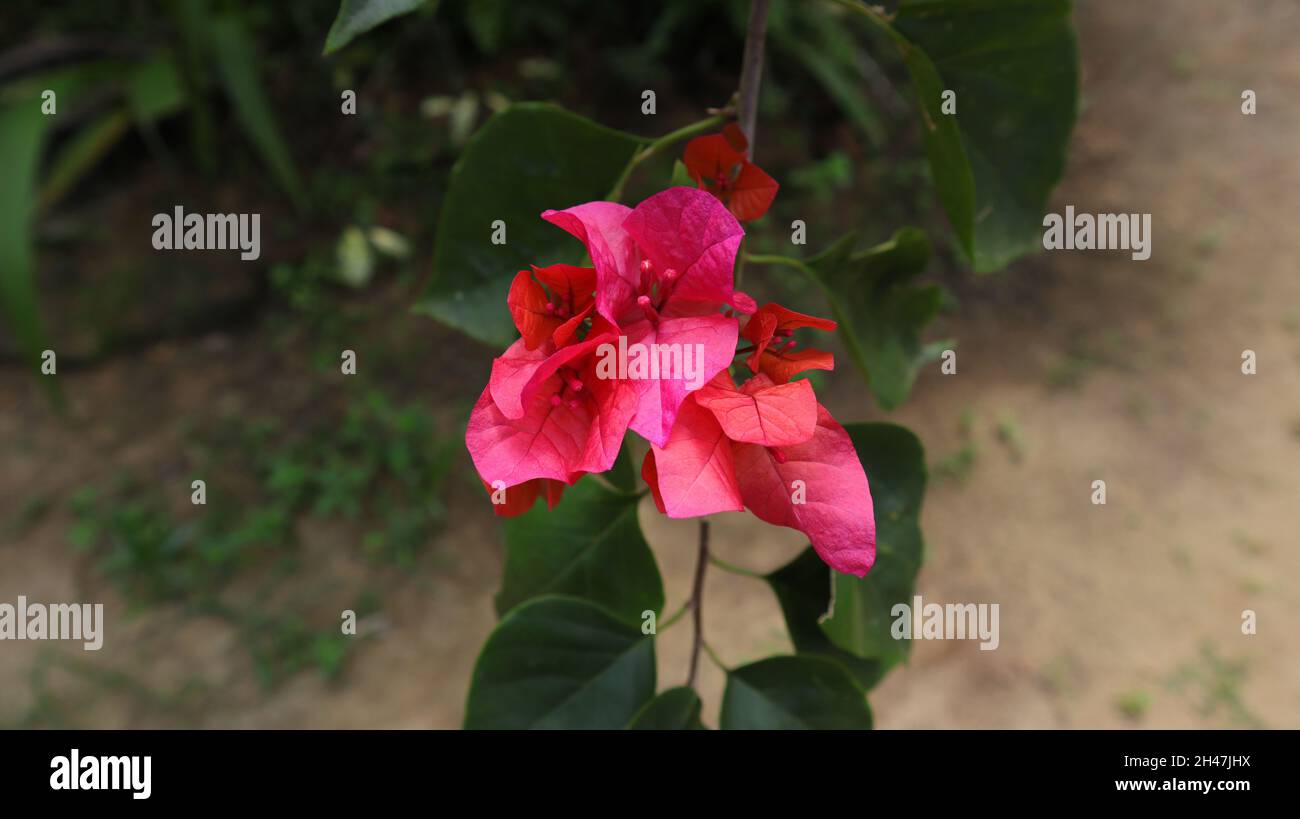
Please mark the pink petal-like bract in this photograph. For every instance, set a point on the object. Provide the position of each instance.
(836, 512)
(549, 417)
(695, 474)
(715, 335)
(762, 412)
(511, 373)
(691, 232)
(599, 226)
(518, 372)
(546, 442)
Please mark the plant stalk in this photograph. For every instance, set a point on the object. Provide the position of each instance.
(697, 601)
(694, 129)
(751, 70)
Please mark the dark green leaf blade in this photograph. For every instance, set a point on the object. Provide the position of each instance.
(356, 17)
(880, 310)
(237, 65)
(155, 90)
(793, 693)
(526, 159)
(1014, 67)
(81, 152)
(557, 662)
(677, 709)
(803, 590)
(22, 132)
(590, 547)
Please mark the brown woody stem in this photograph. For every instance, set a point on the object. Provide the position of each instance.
(697, 600)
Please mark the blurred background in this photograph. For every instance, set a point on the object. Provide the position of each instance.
(328, 492)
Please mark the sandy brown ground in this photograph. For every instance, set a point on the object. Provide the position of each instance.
(1098, 603)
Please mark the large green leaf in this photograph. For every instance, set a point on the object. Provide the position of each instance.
(236, 59)
(526, 159)
(1014, 67)
(590, 546)
(23, 131)
(832, 55)
(793, 693)
(22, 128)
(557, 662)
(677, 709)
(803, 588)
(356, 17)
(880, 309)
(81, 152)
(861, 620)
(486, 21)
(153, 90)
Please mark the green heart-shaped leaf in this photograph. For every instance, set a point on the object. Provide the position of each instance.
(557, 662)
(356, 17)
(793, 693)
(677, 709)
(1013, 67)
(881, 311)
(590, 546)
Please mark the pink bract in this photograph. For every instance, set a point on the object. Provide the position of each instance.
(816, 485)
(663, 271)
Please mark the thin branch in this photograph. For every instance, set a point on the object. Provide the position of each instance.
(751, 74)
(677, 615)
(734, 569)
(713, 655)
(697, 602)
(694, 129)
(771, 258)
(751, 71)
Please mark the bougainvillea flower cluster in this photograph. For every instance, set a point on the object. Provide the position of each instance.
(662, 279)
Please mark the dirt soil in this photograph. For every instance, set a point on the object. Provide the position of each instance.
(1117, 615)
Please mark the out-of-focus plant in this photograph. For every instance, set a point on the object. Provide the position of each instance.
(68, 118)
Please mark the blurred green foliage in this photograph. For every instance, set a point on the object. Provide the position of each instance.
(380, 466)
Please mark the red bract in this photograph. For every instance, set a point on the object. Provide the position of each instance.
(556, 311)
(770, 329)
(718, 164)
(663, 271)
(520, 498)
(754, 447)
